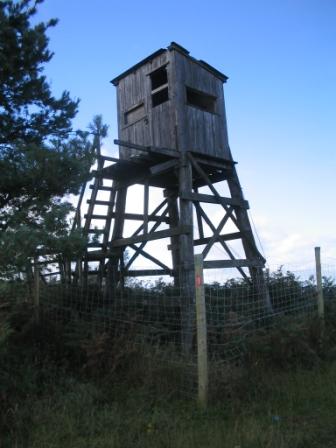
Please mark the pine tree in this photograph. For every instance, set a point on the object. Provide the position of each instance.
(41, 159)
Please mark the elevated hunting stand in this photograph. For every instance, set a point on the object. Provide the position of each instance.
(172, 136)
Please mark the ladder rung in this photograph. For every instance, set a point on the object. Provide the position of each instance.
(97, 231)
(101, 187)
(90, 201)
(110, 159)
(96, 216)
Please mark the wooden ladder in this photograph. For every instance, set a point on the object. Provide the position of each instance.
(90, 218)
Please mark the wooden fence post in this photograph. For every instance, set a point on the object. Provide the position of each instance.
(320, 300)
(202, 349)
(36, 288)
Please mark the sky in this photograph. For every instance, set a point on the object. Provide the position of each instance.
(280, 57)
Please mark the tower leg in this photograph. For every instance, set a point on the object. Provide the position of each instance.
(249, 245)
(186, 267)
(113, 267)
(174, 222)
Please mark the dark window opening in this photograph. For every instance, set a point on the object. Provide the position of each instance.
(159, 78)
(160, 97)
(201, 100)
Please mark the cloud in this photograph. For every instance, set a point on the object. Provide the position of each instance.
(287, 246)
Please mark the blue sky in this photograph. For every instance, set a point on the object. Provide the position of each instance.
(280, 57)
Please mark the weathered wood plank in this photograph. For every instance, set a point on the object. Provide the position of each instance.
(163, 167)
(237, 263)
(148, 272)
(149, 257)
(130, 216)
(101, 187)
(145, 205)
(180, 230)
(143, 244)
(215, 236)
(221, 164)
(164, 151)
(202, 241)
(210, 199)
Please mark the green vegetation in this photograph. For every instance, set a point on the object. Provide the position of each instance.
(42, 159)
(62, 386)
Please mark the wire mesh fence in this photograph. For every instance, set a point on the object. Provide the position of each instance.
(158, 320)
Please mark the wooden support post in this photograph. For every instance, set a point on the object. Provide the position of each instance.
(320, 299)
(113, 272)
(106, 234)
(145, 209)
(36, 289)
(187, 277)
(199, 221)
(174, 222)
(202, 349)
(61, 271)
(68, 273)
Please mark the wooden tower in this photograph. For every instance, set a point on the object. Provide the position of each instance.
(173, 136)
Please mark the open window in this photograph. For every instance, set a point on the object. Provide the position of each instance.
(159, 86)
(201, 100)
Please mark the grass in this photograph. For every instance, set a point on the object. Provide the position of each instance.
(55, 394)
(288, 410)
(267, 409)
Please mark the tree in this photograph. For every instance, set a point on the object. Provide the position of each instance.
(41, 159)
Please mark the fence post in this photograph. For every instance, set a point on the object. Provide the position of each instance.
(320, 300)
(36, 288)
(202, 349)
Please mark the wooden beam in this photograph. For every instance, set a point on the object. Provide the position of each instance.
(110, 159)
(99, 255)
(95, 217)
(133, 216)
(163, 167)
(211, 199)
(220, 164)
(224, 245)
(211, 157)
(219, 264)
(101, 187)
(215, 236)
(180, 230)
(140, 272)
(97, 231)
(199, 221)
(149, 257)
(145, 205)
(151, 215)
(151, 149)
(210, 185)
(174, 221)
(147, 272)
(205, 240)
(143, 244)
(242, 223)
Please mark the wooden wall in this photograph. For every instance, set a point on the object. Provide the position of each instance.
(155, 126)
(174, 123)
(202, 131)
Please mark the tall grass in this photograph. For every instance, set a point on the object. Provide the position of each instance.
(65, 384)
(62, 388)
(290, 410)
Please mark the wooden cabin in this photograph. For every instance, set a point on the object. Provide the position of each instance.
(175, 101)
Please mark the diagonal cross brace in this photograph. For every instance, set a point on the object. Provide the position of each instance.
(213, 228)
(142, 245)
(225, 206)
